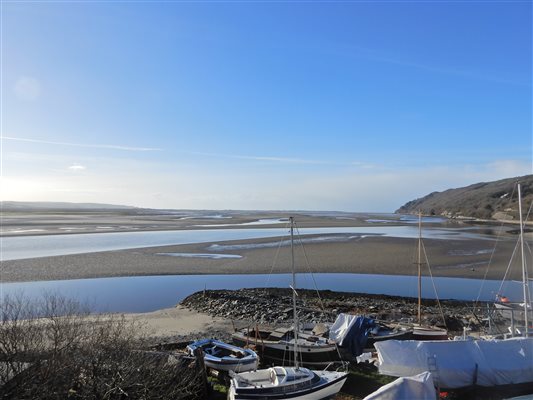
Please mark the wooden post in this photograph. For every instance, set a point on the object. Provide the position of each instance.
(200, 367)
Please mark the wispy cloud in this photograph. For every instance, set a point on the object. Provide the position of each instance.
(262, 158)
(98, 146)
(288, 160)
(77, 167)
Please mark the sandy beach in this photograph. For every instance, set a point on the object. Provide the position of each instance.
(179, 322)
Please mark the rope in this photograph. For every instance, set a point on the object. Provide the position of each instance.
(433, 284)
(493, 252)
(310, 270)
(275, 259)
(504, 280)
(314, 283)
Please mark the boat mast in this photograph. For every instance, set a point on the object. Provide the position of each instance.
(419, 267)
(294, 296)
(524, 272)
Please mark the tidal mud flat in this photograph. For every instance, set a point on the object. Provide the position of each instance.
(341, 254)
(463, 250)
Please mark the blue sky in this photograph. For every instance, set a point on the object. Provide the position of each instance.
(357, 106)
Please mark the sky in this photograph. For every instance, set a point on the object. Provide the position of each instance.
(278, 105)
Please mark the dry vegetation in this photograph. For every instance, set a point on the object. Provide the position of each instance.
(485, 200)
(54, 349)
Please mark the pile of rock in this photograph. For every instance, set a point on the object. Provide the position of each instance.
(274, 306)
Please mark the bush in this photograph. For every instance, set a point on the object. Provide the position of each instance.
(55, 349)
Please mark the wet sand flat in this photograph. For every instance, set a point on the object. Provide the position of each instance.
(363, 255)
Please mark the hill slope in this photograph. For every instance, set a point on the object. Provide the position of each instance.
(486, 200)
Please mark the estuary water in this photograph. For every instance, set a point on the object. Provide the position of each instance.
(149, 293)
(22, 247)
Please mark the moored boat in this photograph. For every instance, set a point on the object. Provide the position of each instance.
(225, 357)
(467, 363)
(276, 346)
(421, 332)
(424, 332)
(383, 332)
(287, 383)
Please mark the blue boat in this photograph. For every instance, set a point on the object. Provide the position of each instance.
(225, 357)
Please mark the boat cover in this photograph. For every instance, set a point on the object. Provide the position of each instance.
(418, 387)
(351, 332)
(461, 363)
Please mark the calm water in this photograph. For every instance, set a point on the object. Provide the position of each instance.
(54, 245)
(148, 293)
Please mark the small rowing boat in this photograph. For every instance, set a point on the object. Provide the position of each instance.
(225, 357)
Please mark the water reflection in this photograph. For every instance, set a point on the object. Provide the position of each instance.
(53, 245)
(148, 293)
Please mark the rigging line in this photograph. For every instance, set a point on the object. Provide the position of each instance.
(493, 252)
(525, 225)
(275, 258)
(527, 275)
(310, 269)
(433, 284)
(500, 289)
(498, 237)
(316, 287)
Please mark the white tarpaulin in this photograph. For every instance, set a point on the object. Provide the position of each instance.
(419, 387)
(341, 327)
(461, 363)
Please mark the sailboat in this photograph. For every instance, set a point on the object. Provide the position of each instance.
(276, 346)
(519, 312)
(287, 382)
(463, 363)
(421, 332)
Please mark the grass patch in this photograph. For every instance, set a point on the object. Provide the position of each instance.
(363, 379)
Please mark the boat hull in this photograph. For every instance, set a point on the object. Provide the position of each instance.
(231, 365)
(513, 311)
(324, 391)
(404, 335)
(429, 333)
(225, 357)
(283, 353)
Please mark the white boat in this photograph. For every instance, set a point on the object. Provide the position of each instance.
(287, 382)
(516, 312)
(465, 363)
(512, 311)
(225, 357)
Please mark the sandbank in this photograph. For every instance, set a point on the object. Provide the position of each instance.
(363, 255)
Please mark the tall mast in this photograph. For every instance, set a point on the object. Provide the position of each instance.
(524, 272)
(294, 296)
(419, 267)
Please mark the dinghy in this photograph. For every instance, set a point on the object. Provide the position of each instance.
(225, 357)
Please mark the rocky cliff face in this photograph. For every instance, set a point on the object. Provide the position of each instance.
(486, 200)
